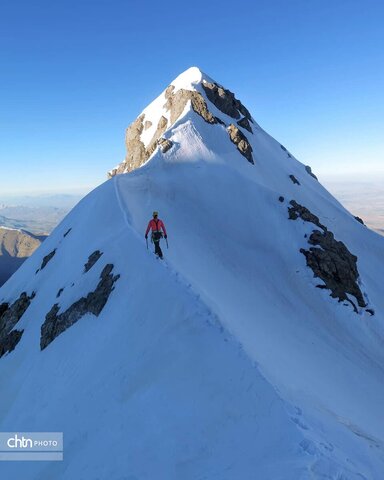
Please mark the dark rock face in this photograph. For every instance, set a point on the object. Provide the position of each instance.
(3, 308)
(335, 265)
(137, 153)
(59, 292)
(94, 302)
(285, 150)
(241, 142)
(47, 258)
(161, 127)
(165, 144)
(294, 179)
(329, 259)
(360, 220)
(9, 316)
(8, 344)
(309, 171)
(281, 199)
(244, 122)
(92, 259)
(66, 233)
(225, 101)
(299, 211)
(176, 103)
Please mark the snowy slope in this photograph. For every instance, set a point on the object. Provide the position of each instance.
(223, 362)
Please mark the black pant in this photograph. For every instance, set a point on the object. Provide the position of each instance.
(157, 248)
(156, 240)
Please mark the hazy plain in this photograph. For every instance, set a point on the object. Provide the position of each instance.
(362, 197)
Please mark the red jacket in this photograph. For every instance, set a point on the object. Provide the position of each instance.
(156, 226)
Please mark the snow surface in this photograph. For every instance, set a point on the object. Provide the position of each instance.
(223, 362)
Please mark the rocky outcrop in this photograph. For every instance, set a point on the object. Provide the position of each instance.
(47, 258)
(309, 171)
(9, 317)
(335, 265)
(329, 259)
(244, 123)
(161, 127)
(92, 259)
(8, 344)
(360, 220)
(285, 150)
(56, 323)
(165, 144)
(137, 153)
(225, 101)
(296, 211)
(176, 102)
(66, 233)
(241, 142)
(294, 179)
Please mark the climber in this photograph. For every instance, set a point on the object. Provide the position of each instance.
(158, 231)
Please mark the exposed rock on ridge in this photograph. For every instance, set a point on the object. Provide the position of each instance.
(137, 153)
(94, 302)
(176, 99)
(165, 144)
(309, 171)
(241, 142)
(9, 317)
(92, 259)
(294, 179)
(244, 123)
(176, 102)
(332, 262)
(225, 101)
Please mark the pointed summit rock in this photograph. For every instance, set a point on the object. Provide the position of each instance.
(193, 91)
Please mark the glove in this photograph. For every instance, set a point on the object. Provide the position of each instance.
(146, 236)
(165, 236)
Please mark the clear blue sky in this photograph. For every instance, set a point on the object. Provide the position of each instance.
(74, 74)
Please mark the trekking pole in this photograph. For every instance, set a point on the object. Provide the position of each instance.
(147, 242)
(167, 242)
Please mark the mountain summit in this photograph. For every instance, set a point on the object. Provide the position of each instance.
(253, 351)
(192, 90)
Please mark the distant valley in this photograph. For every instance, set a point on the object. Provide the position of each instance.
(363, 198)
(15, 247)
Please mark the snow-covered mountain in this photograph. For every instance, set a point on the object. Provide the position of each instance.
(254, 351)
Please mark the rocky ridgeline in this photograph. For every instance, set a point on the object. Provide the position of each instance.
(224, 100)
(9, 317)
(94, 302)
(227, 103)
(329, 259)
